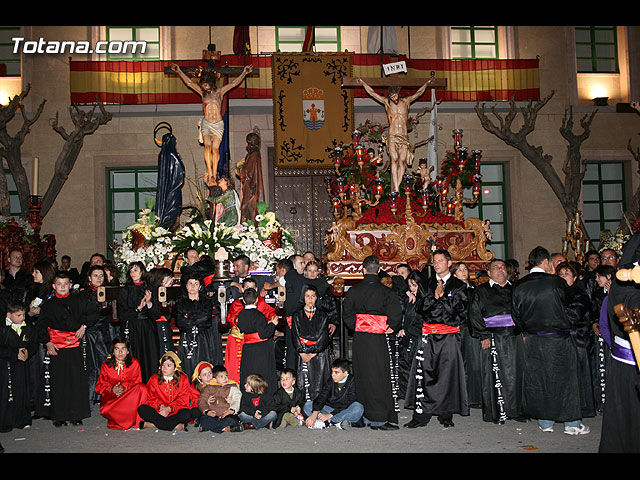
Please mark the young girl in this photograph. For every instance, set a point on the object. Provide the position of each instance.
(167, 406)
(310, 334)
(120, 387)
(256, 406)
(134, 304)
(17, 344)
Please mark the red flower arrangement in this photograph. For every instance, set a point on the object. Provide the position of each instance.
(381, 214)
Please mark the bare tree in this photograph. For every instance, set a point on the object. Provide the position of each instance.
(574, 166)
(85, 124)
(10, 150)
(630, 215)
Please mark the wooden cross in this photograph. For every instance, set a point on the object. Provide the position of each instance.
(397, 80)
(212, 56)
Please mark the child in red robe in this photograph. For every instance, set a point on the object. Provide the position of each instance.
(120, 388)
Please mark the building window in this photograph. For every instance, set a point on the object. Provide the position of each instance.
(150, 35)
(291, 39)
(492, 205)
(597, 49)
(127, 193)
(14, 199)
(603, 196)
(471, 42)
(9, 61)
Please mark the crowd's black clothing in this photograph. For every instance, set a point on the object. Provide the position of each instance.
(371, 352)
(68, 398)
(597, 348)
(470, 347)
(257, 357)
(15, 395)
(19, 284)
(408, 345)
(579, 315)
(161, 315)
(551, 390)
(139, 328)
(284, 402)
(310, 334)
(490, 300)
(97, 341)
(294, 301)
(437, 383)
(621, 416)
(200, 338)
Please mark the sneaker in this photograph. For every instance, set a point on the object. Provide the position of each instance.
(581, 430)
(319, 425)
(343, 425)
(548, 429)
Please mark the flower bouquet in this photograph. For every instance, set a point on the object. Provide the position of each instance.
(264, 240)
(207, 237)
(145, 241)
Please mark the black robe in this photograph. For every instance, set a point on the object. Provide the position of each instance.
(621, 416)
(258, 357)
(470, 347)
(97, 341)
(579, 314)
(551, 390)
(437, 384)
(311, 375)
(507, 348)
(139, 328)
(294, 301)
(66, 396)
(200, 338)
(372, 360)
(14, 376)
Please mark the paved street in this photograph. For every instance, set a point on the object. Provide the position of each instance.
(470, 435)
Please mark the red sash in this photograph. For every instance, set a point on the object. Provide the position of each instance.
(304, 341)
(439, 328)
(63, 339)
(253, 338)
(208, 279)
(369, 323)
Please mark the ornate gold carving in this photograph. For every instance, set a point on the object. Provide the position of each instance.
(478, 242)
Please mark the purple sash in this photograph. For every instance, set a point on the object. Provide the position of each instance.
(623, 353)
(503, 320)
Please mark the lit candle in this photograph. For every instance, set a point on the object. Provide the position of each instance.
(457, 135)
(34, 185)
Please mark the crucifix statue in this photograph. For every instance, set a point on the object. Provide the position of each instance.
(211, 126)
(397, 108)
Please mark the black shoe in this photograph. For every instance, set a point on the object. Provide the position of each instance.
(447, 423)
(385, 426)
(59, 423)
(236, 428)
(413, 423)
(359, 424)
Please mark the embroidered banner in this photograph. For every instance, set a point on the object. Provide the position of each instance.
(311, 111)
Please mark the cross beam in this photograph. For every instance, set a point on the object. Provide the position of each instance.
(433, 82)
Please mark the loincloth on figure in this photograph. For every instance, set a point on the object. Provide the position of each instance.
(205, 127)
(403, 141)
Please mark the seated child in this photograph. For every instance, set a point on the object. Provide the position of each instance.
(256, 408)
(219, 401)
(336, 403)
(18, 341)
(288, 400)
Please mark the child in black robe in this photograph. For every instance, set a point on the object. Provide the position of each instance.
(18, 342)
(63, 321)
(258, 355)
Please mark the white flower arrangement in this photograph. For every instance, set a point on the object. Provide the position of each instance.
(145, 241)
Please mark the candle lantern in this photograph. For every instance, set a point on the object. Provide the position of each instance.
(424, 197)
(377, 187)
(457, 137)
(450, 208)
(356, 137)
(393, 202)
(462, 157)
(336, 205)
(360, 155)
(341, 184)
(477, 155)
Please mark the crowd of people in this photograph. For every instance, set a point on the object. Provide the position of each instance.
(544, 347)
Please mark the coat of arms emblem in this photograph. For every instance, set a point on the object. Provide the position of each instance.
(313, 108)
